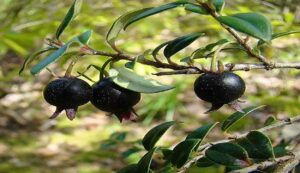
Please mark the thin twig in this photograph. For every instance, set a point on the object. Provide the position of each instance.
(234, 67)
(294, 157)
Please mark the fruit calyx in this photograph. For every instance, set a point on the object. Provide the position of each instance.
(67, 93)
(110, 97)
(219, 89)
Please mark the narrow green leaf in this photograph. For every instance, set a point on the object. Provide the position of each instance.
(52, 57)
(85, 37)
(143, 165)
(167, 153)
(118, 136)
(281, 149)
(252, 24)
(228, 154)
(278, 35)
(210, 47)
(33, 56)
(151, 138)
(196, 9)
(219, 4)
(282, 34)
(204, 162)
(234, 118)
(166, 169)
(119, 24)
(182, 151)
(130, 151)
(81, 39)
(128, 79)
(270, 120)
(154, 11)
(180, 43)
(257, 145)
(72, 13)
(108, 144)
(200, 53)
(201, 132)
(158, 48)
(128, 169)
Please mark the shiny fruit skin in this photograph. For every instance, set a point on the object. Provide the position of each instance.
(219, 88)
(67, 92)
(109, 97)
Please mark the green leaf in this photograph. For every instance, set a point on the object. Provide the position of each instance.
(130, 151)
(33, 56)
(157, 49)
(281, 149)
(154, 11)
(167, 153)
(128, 169)
(52, 57)
(219, 4)
(282, 34)
(234, 118)
(72, 13)
(204, 162)
(180, 43)
(128, 79)
(196, 9)
(200, 53)
(143, 165)
(155, 134)
(201, 133)
(118, 136)
(182, 152)
(108, 144)
(278, 35)
(81, 39)
(85, 37)
(119, 24)
(252, 24)
(270, 120)
(166, 169)
(257, 145)
(228, 154)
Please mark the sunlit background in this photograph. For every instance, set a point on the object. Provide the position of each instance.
(94, 142)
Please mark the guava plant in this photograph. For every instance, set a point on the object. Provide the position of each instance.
(120, 88)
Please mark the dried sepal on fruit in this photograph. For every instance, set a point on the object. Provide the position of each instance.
(67, 93)
(110, 97)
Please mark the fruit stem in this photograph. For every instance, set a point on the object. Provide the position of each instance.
(70, 68)
(213, 66)
(102, 72)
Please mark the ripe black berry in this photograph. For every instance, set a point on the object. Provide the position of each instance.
(219, 88)
(67, 94)
(110, 97)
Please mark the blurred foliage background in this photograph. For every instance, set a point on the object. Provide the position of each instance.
(93, 142)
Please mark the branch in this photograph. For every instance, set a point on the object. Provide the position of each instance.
(241, 41)
(234, 67)
(289, 163)
(156, 64)
(204, 147)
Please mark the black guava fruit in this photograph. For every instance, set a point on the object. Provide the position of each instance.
(110, 97)
(219, 88)
(67, 94)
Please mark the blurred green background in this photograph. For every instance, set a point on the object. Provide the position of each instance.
(94, 142)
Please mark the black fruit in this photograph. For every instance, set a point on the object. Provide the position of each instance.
(219, 88)
(110, 97)
(67, 94)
